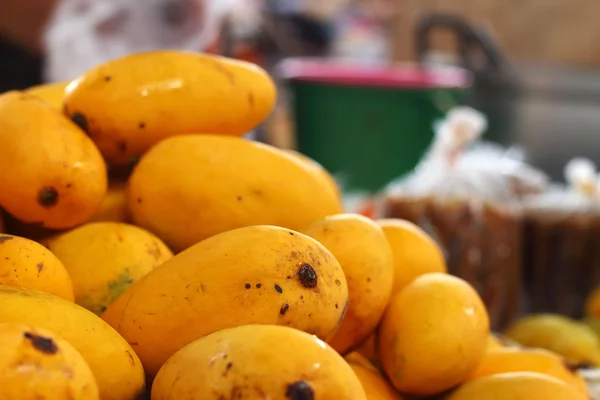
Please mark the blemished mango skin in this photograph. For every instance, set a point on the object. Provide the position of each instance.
(252, 275)
(117, 369)
(54, 176)
(36, 364)
(129, 104)
(105, 258)
(517, 386)
(363, 251)
(27, 264)
(189, 188)
(257, 362)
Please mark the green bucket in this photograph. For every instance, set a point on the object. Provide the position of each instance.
(368, 124)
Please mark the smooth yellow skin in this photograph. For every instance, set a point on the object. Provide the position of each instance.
(131, 103)
(114, 206)
(249, 275)
(105, 258)
(573, 340)
(27, 264)
(54, 175)
(35, 364)
(374, 385)
(319, 171)
(51, 93)
(517, 386)
(257, 362)
(415, 253)
(368, 349)
(494, 343)
(189, 188)
(362, 250)
(433, 335)
(355, 358)
(116, 367)
(592, 305)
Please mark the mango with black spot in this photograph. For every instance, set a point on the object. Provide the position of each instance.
(257, 362)
(52, 173)
(252, 275)
(27, 264)
(105, 258)
(129, 104)
(116, 367)
(189, 188)
(36, 364)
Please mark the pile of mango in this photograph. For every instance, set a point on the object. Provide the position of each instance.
(150, 251)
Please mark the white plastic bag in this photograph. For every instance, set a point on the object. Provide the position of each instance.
(84, 33)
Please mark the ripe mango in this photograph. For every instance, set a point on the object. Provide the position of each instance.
(363, 251)
(433, 335)
(516, 386)
(116, 367)
(374, 385)
(36, 364)
(252, 275)
(318, 170)
(129, 104)
(114, 206)
(257, 362)
(53, 174)
(105, 258)
(27, 264)
(189, 188)
(51, 93)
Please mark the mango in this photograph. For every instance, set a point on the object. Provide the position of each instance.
(105, 258)
(189, 188)
(318, 171)
(517, 385)
(363, 251)
(257, 362)
(130, 104)
(415, 252)
(116, 367)
(374, 385)
(27, 264)
(61, 179)
(51, 93)
(252, 275)
(114, 206)
(433, 335)
(36, 364)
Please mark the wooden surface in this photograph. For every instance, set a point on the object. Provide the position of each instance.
(559, 31)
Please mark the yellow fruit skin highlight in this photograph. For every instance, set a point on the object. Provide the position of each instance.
(365, 256)
(528, 360)
(517, 386)
(116, 367)
(105, 258)
(414, 252)
(36, 364)
(574, 341)
(433, 335)
(27, 264)
(252, 275)
(51, 93)
(189, 188)
(114, 206)
(54, 176)
(131, 103)
(257, 362)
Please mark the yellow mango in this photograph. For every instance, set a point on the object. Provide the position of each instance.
(188, 188)
(414, 252)
(116, 367)
(257, 362)
(318, 170)
(517, 386)
(36, 364)
(433, 335)
(129, 104)
(374, 385)
(53, 175)
(105, 258)
(355, 358)
(252, 275)
(494, 343)
(27, 264)
(51, 93)
(363, 251)
(114, 206)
